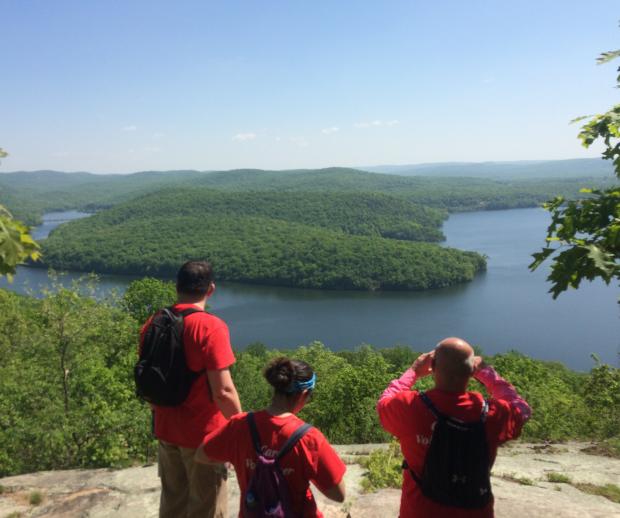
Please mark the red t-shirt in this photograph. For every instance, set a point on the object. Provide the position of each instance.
(207, 347)
(406, 416)
(311, 459)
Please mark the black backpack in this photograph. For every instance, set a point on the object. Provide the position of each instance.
(456, 470)
(161, 374)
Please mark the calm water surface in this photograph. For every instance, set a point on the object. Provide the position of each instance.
(505, 308)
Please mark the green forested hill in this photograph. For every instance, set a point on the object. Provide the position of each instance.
(454, 194)
(371, 214)
(35, 193)
(256, 250)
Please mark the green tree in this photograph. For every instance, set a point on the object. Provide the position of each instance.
(583, 239)
(16, 243)
(145, 296)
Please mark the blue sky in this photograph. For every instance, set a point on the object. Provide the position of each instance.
(120, 86)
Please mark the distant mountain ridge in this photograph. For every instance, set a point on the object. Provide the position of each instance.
(30, 194)
(517, 169)
(521, 169)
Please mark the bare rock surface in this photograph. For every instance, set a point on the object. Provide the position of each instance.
(520, 485)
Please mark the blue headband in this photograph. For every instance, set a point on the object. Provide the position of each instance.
(300, 386)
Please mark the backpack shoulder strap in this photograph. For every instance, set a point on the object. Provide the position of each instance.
(254, 433)
(429, 404)
(293, 440)
(405, 466)
(485, 411)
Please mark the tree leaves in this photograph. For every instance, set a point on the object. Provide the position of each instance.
(587, 231)
(16, 244)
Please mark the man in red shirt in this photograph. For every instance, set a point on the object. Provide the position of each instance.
(190, 489)
(403, 414)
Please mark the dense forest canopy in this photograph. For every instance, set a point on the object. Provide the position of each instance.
(329, 228)
(80, 354)
(371, 214)
(34, 193)
(256, 250)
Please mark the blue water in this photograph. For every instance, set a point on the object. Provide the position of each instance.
(505, 308)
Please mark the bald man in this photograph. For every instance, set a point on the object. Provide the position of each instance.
(455, 421)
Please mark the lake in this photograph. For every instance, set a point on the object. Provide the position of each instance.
(507, 307)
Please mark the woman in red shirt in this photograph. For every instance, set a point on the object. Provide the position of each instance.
(311, 459)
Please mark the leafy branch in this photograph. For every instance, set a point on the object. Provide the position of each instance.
(16, 243)
(583, 239)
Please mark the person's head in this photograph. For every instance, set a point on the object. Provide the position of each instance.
(195, 281)
(292, 380)
(453, 364)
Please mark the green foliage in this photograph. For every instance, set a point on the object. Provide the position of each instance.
(384, 468)
(368, 214)
(602, 397)
(256, 250)
(80, 353)
(553, 392)
(35, 498)
(609, 491)
(583, 239)
(144, 297)
(32, 194)
(558, 478)
(16, 244)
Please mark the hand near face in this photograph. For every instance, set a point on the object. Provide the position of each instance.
(423, 366)
(478, 363)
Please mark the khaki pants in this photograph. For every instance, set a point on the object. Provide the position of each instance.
(190, 489)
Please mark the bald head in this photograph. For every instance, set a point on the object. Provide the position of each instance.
(454, 361)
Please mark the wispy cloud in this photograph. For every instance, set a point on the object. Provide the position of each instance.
(157, 135)
(376, 123)
(130, 127)
(329, 131)
(300, 141)
(241, 137)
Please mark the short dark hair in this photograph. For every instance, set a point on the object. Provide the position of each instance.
(194, 278)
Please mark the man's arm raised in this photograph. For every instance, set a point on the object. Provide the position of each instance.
(224, 392)
(390, 407)
(501, 390)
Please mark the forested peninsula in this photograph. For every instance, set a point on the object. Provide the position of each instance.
(154, 235)
(334, 228)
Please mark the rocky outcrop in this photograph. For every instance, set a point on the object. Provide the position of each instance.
(520, 484)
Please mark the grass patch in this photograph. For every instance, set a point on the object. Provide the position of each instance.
(35, 498)
(1, 489)
(609, 491)
(14, 514)
(606, 448)
(524, 481)
(384, 469)
(558, 478)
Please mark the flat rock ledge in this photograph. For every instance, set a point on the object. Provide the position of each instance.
(520, 486)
